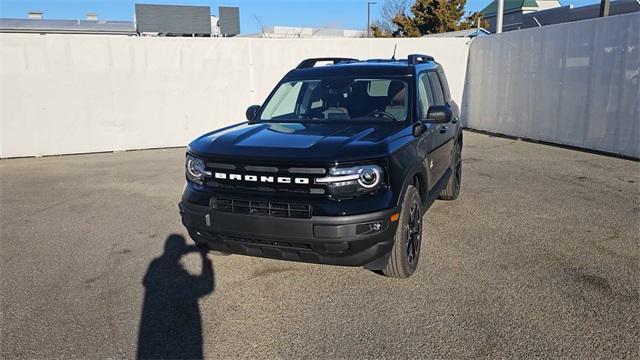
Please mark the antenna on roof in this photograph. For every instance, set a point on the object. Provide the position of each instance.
(393, 57)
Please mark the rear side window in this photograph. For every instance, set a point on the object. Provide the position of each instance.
(436, 87)
(445, 85)
(425, 95)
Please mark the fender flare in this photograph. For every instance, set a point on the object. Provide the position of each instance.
(408, 180)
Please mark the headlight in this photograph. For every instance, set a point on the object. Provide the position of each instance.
(370, 177)
(196, 170)
(354, 180)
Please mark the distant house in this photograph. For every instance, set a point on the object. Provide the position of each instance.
(151, 20)
(36, 24)
(470, 33)
(514, 10)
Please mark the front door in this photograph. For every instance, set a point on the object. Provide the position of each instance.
(438, 136)
(443, 134)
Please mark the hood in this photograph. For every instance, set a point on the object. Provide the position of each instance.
(305, 142)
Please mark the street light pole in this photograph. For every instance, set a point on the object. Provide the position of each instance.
(499, 16)
(369, 3)
(604, 8)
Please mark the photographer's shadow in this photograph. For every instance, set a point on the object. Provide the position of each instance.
(171, 325)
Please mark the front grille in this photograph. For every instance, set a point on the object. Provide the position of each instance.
(265, 178)
(297, 190)
(265, 208)
(258, 242)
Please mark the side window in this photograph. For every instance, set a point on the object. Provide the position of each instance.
(445, 85)
(436, 87)
(425, 96)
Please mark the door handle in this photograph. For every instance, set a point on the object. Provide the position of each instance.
(444, 129)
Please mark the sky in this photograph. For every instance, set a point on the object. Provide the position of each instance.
(349, 14)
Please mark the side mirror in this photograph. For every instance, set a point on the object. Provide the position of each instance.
(418, 129)
(439, 114)
(252, 111)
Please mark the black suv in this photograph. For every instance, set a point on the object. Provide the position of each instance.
(336, 167)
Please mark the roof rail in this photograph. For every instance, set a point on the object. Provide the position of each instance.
(418, 58)
(311, 62)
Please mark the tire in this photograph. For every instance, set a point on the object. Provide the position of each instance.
(452, 190)
(405, 253)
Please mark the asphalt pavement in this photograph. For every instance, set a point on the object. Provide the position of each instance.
(539, 257)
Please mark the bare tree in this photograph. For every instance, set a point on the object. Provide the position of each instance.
(390, 9)
(261, 26)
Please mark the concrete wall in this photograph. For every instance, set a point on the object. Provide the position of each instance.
(575, 83)
(62, 94)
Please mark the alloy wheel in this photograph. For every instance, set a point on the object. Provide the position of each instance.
(458, 166)
(414, 232)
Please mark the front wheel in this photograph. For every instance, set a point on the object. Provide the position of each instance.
(405, 253)
(452, 190)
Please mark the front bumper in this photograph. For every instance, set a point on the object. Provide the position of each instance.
(337, 240)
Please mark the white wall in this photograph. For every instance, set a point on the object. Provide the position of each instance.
(62, 94)
(575, 83)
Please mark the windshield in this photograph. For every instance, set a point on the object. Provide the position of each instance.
(343, 98)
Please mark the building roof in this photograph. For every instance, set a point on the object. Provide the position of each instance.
(568, 13)
(470, 33)
(67, 26)
(279, 31)
(509, 5)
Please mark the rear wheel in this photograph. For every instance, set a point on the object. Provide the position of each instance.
(452, 190)
(405, 253)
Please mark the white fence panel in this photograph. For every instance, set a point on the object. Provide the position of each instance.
(575, 84)
(62, 94)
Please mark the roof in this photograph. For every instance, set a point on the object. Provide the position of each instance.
(67, 26)
(509, 5)
(461, 33)
(380, 67)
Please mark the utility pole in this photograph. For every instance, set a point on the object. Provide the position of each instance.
(604, 8)
(499, 16)
(369, 3)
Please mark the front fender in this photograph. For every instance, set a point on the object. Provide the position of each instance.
(405, 165)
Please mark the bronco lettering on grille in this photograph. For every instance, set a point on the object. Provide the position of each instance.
(263, 179)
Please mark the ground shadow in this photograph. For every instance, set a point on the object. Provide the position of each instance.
(171, 325)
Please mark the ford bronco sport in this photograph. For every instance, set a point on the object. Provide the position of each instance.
(336, 167)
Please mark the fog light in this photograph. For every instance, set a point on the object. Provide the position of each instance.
(368, 228)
